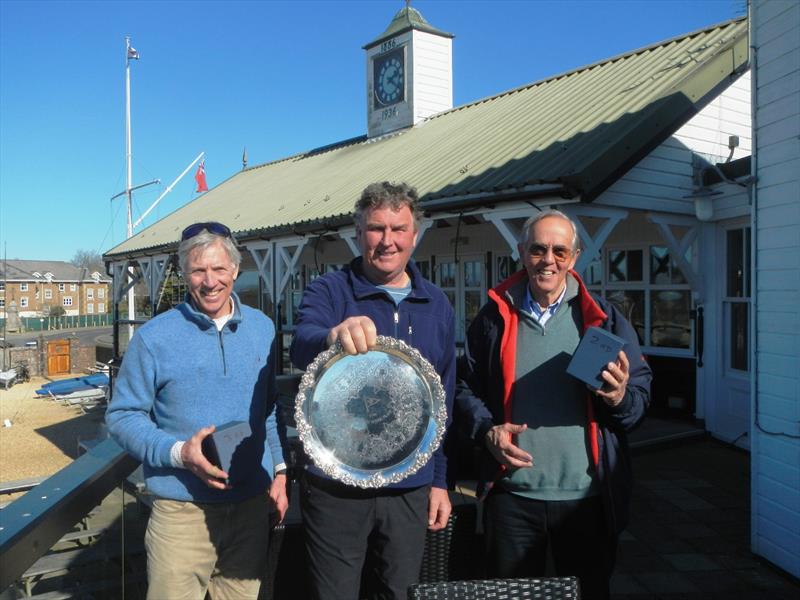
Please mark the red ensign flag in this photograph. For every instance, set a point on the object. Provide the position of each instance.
(200, 177)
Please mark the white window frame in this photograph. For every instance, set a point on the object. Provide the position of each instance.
(62, 287)
(23, 287)
(89, 294)
(729, 301)
(23, 302)
(73, 287)
(90, 308)
(460, 288)
(647, 288)
(48, 294)
(101, 307)
(67, 300)
(101, 293)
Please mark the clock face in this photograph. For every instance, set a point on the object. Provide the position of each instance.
(389, 78)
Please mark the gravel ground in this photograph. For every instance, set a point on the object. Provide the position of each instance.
(43, 436)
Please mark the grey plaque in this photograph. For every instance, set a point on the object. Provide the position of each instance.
(371, 419)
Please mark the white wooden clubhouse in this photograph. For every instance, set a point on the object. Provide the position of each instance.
(649, 151)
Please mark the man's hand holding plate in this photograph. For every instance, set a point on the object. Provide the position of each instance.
(357, 335)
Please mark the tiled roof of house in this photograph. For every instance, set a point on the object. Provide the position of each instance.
(571, 135)
(38, 270)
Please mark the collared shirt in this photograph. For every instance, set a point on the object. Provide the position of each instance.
(532, 307)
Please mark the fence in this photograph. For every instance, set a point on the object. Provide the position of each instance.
(64, 322)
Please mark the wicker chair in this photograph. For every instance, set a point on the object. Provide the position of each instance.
(548, 588)
(453, 552)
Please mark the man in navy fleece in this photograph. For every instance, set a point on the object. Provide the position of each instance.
(206, 362)
(379, 293)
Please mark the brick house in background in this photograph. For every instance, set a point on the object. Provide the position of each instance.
(37, 287)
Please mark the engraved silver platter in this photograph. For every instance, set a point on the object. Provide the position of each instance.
(373, 419)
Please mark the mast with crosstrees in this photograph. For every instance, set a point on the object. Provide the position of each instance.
(132, 54)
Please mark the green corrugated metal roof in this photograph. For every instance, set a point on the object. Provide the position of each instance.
(578, 131)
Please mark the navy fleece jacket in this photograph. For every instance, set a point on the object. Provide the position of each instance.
(424, 320)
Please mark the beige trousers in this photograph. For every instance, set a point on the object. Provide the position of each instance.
(193, 547)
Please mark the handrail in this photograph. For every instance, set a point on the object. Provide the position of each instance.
(32, 524)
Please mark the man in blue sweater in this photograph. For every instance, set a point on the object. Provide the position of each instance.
(556, 451)
(207, 362)
(379, 293)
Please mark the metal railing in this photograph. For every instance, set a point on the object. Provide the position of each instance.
(32, 524)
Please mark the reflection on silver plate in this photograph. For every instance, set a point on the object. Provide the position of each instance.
(371, 419)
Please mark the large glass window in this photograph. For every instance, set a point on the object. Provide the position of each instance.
(649, 288)
(624, 265)
(474, 293)
(631, 304)
(593, 274)
(662, 268)
(738, 263)
(463, 283)
(737, 298)
(424, 267)
(505, 267)
(292, 295)
(670, 323)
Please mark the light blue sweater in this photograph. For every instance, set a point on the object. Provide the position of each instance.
(181, 374)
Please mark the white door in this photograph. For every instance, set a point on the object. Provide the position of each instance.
(464, 283)
(732, 393)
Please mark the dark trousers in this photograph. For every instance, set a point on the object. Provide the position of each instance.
(343, 524)
(518, 531)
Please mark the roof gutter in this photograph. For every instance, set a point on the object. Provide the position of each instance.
(490, 197)
(309, 228)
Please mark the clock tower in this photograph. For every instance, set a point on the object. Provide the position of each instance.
(409, 73)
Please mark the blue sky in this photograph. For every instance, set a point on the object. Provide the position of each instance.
(275, 77)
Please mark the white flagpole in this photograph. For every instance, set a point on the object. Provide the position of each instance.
(128, 158)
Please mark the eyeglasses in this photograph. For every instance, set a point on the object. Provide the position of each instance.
(560, 253)
(210, 226)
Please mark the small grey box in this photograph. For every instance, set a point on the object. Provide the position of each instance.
(219, 447)
(598, 347)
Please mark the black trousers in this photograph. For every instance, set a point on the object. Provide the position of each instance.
(342, 525)
(518, 531)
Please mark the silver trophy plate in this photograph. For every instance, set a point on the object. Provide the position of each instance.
(373, 419)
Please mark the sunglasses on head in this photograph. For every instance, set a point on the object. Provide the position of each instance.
(210, 226)
(560, 253)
